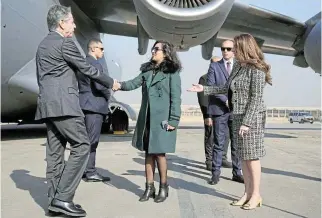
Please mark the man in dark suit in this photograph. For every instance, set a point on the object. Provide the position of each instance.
(225, 163)
(57, 60)
(93, 99)
(217, 75)
(208, 134)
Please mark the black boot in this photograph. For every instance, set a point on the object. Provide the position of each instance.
(163, 193)
(149, 192)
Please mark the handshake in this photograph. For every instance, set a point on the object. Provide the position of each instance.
(116, 85)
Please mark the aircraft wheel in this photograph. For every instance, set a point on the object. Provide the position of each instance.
(120, 122)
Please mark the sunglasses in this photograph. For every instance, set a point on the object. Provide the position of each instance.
(102, 49)
(156, 49)
(224, 48)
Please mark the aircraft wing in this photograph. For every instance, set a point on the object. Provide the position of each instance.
(275, 32)
(115, 17)
(208, 25)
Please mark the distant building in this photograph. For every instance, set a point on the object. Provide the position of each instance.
(271, 112)
(277, 112)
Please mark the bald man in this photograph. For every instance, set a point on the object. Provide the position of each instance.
(218, 75)
(225, 163)
(208, 123)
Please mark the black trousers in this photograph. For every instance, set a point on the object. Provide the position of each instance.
(63, 177)
(222, 127)
(93, 122)
(209, 143)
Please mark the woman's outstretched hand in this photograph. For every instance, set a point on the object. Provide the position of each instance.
(196, 88)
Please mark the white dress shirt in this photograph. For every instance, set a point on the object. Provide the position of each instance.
(231, 60)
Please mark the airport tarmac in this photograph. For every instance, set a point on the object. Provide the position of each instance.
(290, 185)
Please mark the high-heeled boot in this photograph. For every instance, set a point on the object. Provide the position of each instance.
(149, 192)
(163, 193)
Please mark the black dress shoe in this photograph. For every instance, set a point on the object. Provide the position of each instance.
(226, 164)
(96, 178)
(214, 180)
(78, 206)
(239, 178)
(53, 213)
(67, 208)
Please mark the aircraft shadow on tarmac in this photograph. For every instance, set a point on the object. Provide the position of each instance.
(186, 166)
(197, 169)
(37, 187)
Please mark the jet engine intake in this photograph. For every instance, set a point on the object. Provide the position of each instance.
(185, 23)
(312, 48)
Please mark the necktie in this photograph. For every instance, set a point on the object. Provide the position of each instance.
(228, 68)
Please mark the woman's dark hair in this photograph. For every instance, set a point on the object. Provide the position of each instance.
(171, 62)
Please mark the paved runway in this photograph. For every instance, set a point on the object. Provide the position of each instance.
(291, 178)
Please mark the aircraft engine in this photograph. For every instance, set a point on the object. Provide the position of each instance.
(312, 48)
(185, 23)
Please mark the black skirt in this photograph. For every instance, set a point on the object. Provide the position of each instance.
(146, 133)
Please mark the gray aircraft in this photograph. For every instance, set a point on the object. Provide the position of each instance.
(185, 23)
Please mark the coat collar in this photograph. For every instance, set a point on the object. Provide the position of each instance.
(236, 68)
(55, 33)
(157, 78)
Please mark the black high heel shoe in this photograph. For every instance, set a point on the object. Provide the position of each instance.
(149, 192)
(163, 193)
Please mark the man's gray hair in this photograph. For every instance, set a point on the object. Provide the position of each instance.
(55, 14)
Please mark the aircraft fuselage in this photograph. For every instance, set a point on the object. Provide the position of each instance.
(23, 27)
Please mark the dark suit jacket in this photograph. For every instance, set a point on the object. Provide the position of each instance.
(202, 99)
(58, 59)
(246, 87)
(217, 76)
(93, 96)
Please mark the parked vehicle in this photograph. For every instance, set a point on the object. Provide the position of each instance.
(301, 117)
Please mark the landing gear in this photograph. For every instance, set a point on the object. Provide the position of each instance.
(118, 122)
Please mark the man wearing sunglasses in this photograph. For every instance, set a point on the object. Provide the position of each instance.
(93, 99)
(218, 108)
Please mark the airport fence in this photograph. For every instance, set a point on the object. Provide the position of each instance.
(270, 113)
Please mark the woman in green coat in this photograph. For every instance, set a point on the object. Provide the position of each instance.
(156, 128)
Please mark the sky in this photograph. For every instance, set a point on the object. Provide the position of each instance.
(292, 86)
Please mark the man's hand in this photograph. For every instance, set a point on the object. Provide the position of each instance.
(116, 85)
(208, 122)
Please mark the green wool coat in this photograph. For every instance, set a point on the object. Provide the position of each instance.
(163, 96)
